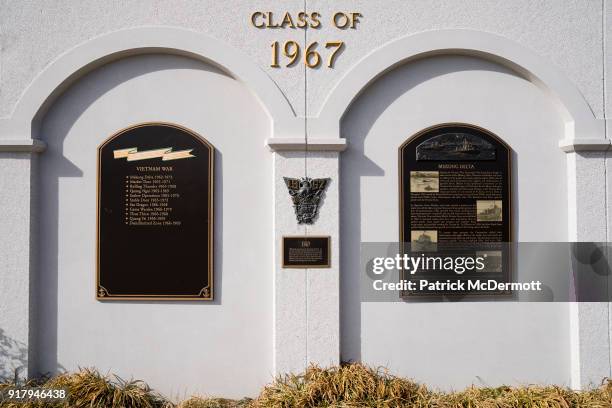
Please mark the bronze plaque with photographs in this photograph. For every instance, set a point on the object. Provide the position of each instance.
(155, 215)
(305, 252)
(455, 195)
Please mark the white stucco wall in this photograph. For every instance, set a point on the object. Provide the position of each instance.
(567, 34)
(15, 171)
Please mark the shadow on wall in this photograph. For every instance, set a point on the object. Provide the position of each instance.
(55, 165)
(13, 357)
(356, 126)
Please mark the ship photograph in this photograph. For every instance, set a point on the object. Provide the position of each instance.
(423, 240)
(424, 182)
(488, 210)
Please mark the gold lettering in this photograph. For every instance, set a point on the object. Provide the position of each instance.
(343, 20)
(340, 20)
(270, 21)
(316, 23)
(302, 21)
(254, 18)
(355, 19)
(287, 21)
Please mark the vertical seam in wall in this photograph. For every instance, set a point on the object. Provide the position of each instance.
(604, 95)
(604, 64)
(306, 271)
(604, 39)
(305, 101)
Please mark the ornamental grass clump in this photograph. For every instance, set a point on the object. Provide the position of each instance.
(90, 389)
(351, 385)
(356, 385)
(528, 397)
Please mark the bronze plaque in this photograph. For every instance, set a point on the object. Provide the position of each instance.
(306, 252)
(155, 215)
(455, 191)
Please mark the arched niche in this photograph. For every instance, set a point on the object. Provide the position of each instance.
(71, 326)
(412, 337)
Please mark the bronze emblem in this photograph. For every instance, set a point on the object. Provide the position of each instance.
(306, 194)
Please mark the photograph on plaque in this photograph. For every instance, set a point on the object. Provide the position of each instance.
(424, 181)
(155, 215)
(455, 196)
(423, 240)
(303, 252)
(489, 210)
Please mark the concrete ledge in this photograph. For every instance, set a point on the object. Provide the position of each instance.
(313, 145)
(584, 145)
(23, 145)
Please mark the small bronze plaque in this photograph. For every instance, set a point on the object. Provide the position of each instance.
(306, 252)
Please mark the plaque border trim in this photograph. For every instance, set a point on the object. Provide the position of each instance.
(284, 266)
(209, 289)
(408, 297)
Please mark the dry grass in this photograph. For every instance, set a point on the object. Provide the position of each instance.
(348, 386)
(201, 402)
(351, 385)
(355, 385)
(90, 389)
(532, 396)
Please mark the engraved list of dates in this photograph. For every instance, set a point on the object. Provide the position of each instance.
(149, 197)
